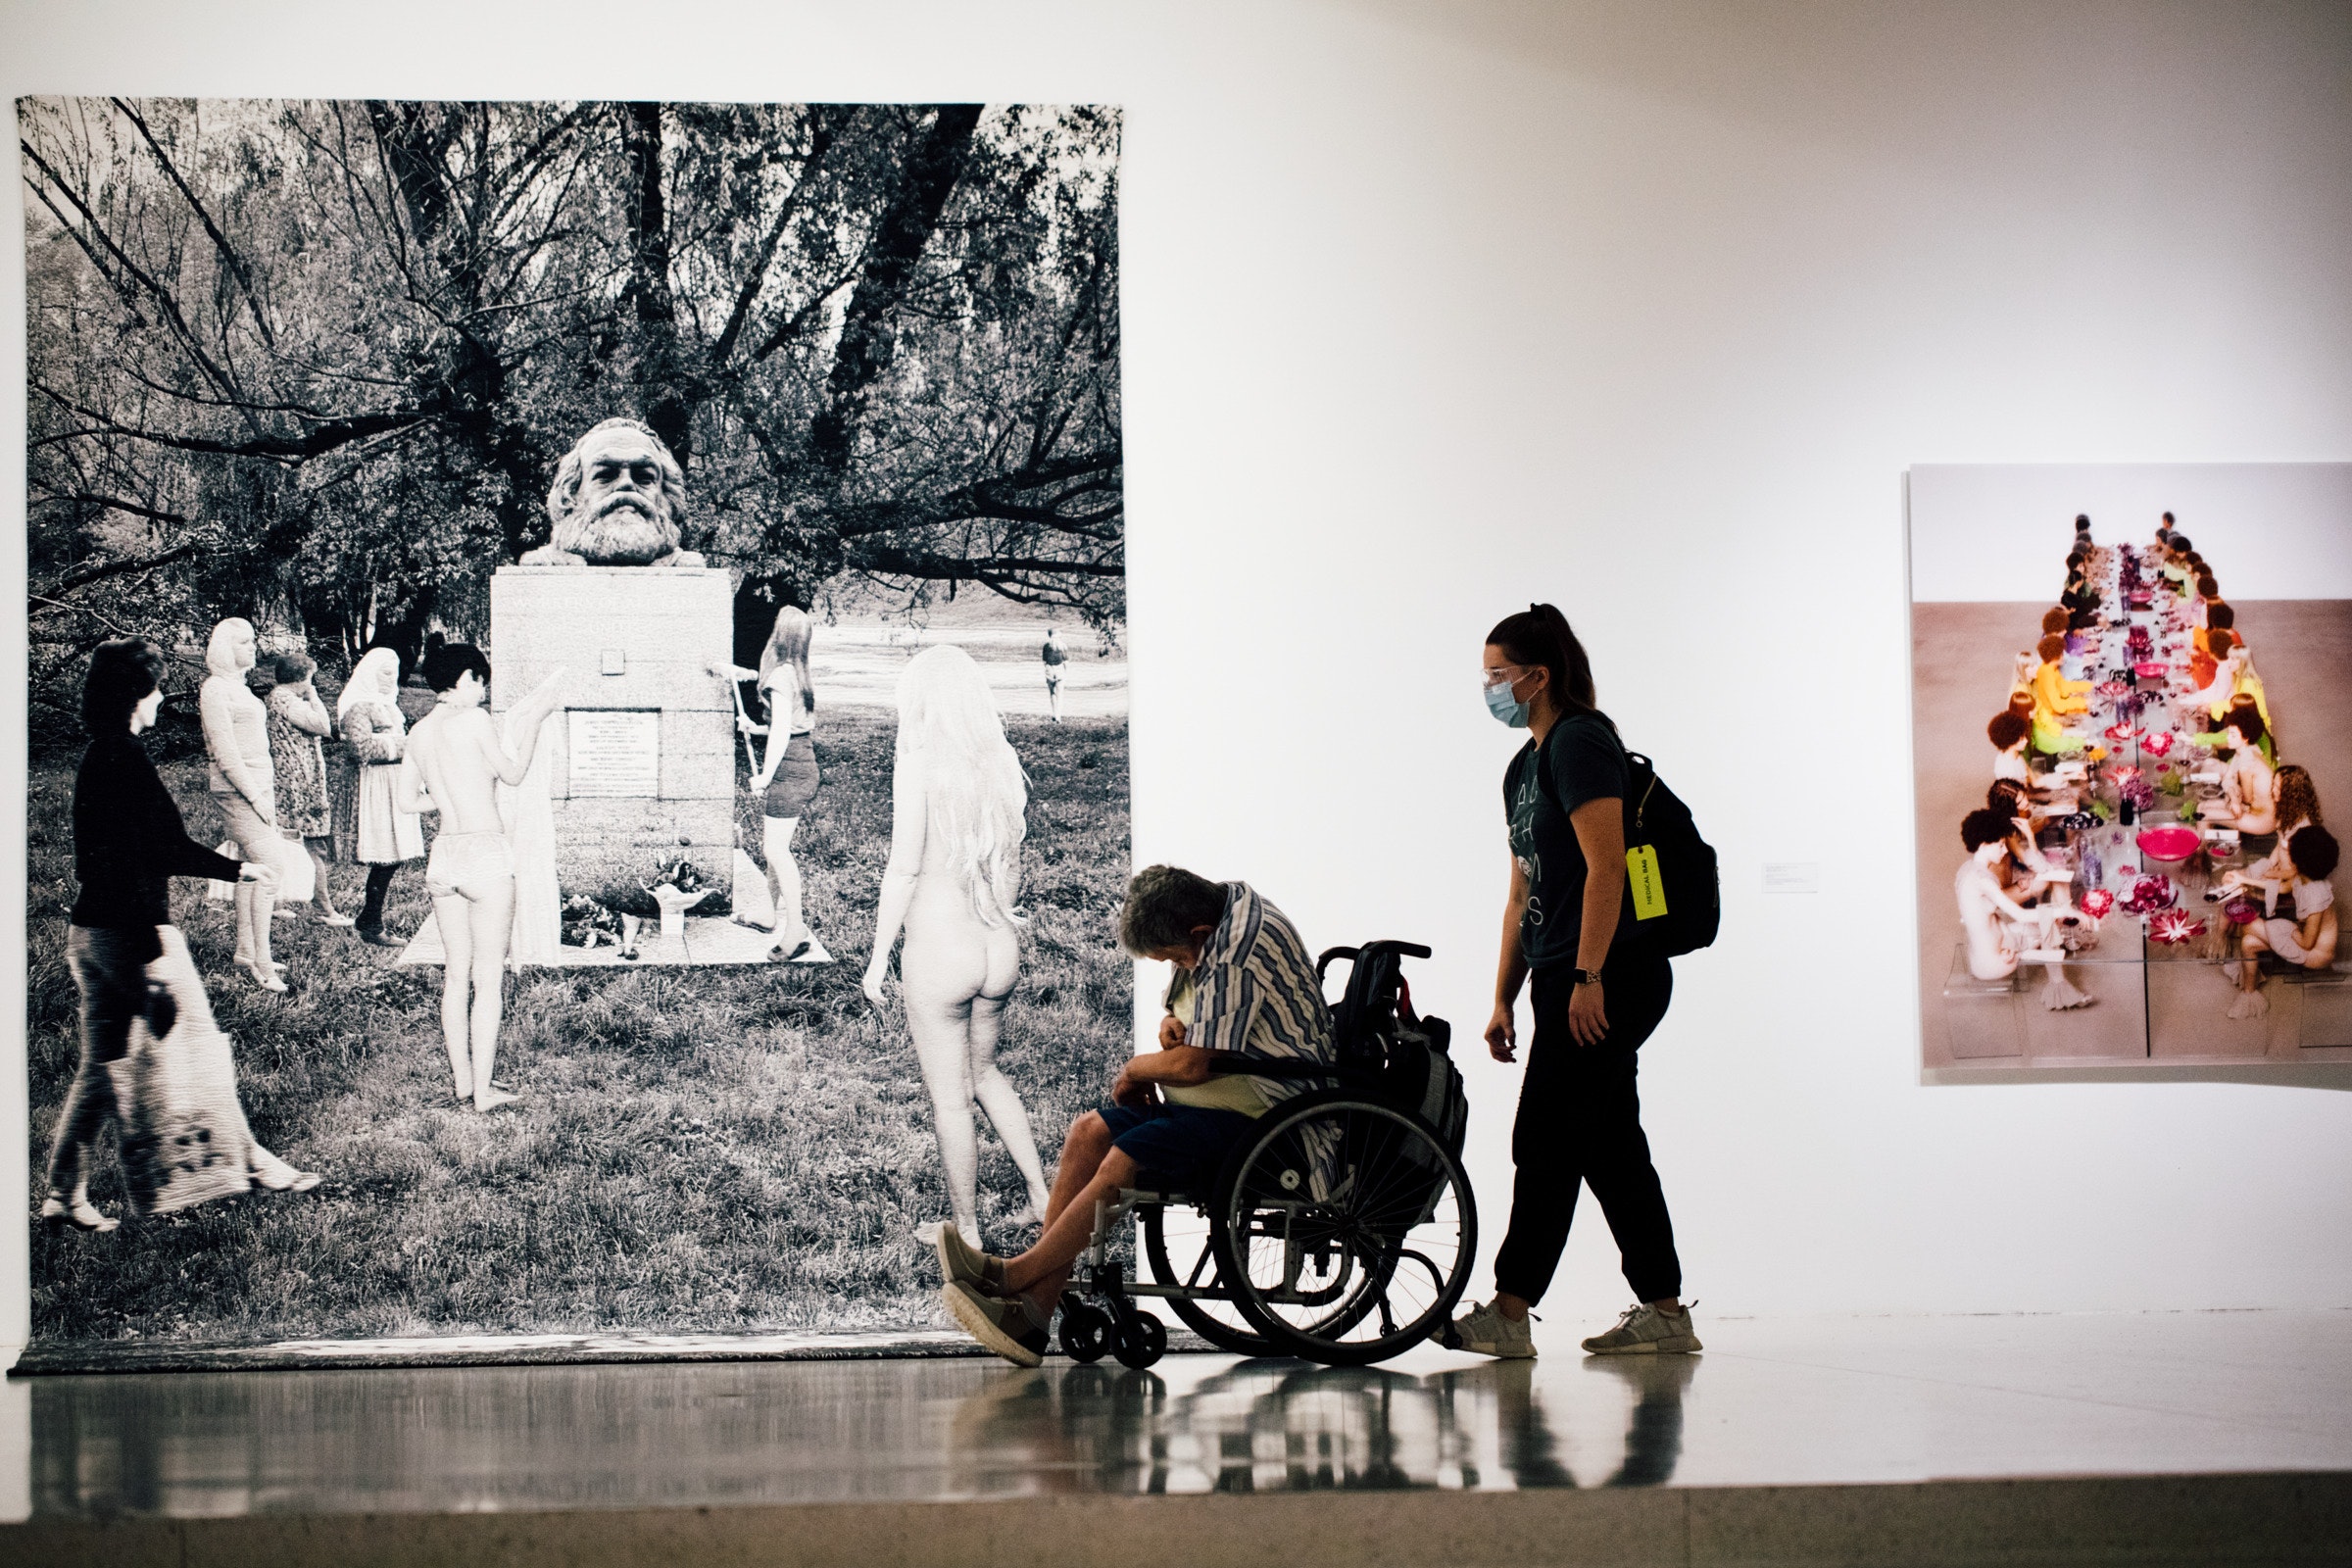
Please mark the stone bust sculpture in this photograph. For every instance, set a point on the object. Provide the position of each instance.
(617, 501)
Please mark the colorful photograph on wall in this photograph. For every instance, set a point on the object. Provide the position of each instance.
(578, 708)
(2130, 713)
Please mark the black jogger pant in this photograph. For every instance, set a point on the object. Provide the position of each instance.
(1580, 1121)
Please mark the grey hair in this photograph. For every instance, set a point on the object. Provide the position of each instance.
(1165, 903)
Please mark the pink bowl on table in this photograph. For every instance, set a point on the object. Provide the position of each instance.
(2168, 844)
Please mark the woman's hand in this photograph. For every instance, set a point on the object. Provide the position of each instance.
(878, 976)
(1587, 1014)
(256, 872)
(1502, 1033)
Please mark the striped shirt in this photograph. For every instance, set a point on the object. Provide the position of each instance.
(1255, 992)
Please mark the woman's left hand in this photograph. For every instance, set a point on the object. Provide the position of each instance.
(1587, 1014)
(875, 979)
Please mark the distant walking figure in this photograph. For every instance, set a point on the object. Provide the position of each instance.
(958, 800)
(1054, 657)
(454, 766)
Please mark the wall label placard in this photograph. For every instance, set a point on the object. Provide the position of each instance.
(613, 752)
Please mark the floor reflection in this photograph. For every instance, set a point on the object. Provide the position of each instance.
(206, 1443)
(1284, 1426)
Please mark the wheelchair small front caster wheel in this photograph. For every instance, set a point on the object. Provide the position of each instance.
(1139, 1340)
(1086, 1331)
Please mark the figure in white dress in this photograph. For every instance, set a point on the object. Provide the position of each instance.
(959, 801)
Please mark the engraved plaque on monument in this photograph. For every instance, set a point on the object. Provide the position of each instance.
(613, 753)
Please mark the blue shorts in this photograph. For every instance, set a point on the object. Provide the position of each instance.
(1183, 1146)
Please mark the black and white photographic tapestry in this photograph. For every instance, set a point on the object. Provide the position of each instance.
(577, 709)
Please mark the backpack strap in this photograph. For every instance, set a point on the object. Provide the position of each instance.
(1641, 778)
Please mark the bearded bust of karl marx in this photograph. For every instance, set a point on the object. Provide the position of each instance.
(617, 501)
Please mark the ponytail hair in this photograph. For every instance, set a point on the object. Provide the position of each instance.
(1540, 635)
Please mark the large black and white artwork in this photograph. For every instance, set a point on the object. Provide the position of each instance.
(637, 593)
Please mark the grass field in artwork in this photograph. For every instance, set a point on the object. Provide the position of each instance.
(697, 1149)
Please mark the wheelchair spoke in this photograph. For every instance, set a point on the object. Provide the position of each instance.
(1348, 1230)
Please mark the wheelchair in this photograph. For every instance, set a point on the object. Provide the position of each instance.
(1340, 1228)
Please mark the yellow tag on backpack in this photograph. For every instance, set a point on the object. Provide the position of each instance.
(1641, 872)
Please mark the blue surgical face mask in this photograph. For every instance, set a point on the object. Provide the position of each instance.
(1504, 707)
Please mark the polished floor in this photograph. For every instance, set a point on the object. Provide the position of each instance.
(1774, 1402)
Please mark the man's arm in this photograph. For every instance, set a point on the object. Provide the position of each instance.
(1180, 1066)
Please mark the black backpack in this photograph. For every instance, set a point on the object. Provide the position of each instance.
(1655, 817)
(1373, 1025)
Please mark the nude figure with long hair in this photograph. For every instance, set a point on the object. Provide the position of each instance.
(958, 803)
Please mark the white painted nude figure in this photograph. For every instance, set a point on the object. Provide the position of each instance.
(959, 801)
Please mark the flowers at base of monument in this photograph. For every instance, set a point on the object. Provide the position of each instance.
(2175, 926)
(680, 875)
(2150, 895)
(2097, 903)
(586, 923)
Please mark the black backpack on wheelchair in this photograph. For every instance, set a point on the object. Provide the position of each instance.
(1342, 1226)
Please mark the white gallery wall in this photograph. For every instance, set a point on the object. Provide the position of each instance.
(1432, 309)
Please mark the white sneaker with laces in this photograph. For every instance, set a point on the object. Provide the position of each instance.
(1643, 1330)
(1483, 1331)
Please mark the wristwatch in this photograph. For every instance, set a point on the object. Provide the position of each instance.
(1588, 977)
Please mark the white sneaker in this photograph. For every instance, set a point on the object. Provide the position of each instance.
(1483, 1331)
(1643, 1330)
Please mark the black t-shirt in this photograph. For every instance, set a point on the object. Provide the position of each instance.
(1585, 762)
(128, 840)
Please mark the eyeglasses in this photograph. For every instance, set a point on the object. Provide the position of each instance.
(1501, 674)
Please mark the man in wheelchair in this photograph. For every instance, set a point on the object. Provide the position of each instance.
(1244, 986)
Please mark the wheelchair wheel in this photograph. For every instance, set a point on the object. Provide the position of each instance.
(1346, 1230)
(1180, 1249)
(1085, 1330)
(1138, 1340)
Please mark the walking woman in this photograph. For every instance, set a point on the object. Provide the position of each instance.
(128, 842)
(787, 781)
(1597, 995)
(244, 783)
(298, 723)
(388, 837)
(959, 808)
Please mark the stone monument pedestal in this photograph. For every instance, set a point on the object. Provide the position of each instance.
(640, 755)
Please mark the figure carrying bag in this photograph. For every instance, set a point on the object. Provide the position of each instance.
(1678, 905)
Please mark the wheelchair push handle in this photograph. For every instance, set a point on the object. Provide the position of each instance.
(1403, 950)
